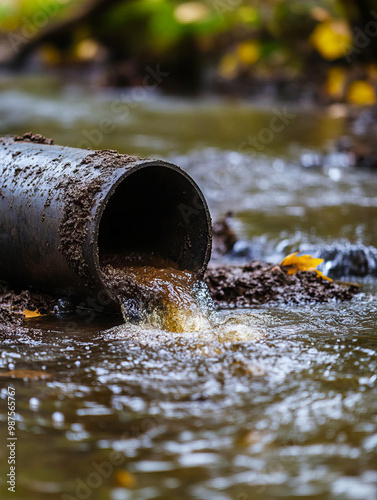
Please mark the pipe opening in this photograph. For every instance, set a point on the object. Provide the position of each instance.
(156, 217)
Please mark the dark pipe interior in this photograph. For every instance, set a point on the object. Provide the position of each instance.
(155, 217)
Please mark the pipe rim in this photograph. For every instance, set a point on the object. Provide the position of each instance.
(100, 207)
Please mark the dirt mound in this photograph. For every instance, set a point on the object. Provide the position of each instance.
(12, 326)
(36, 138)
(258, 283)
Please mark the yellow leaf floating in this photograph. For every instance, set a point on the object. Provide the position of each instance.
(295, 263)
(31, 314)
(124, 479)
(332, 39)
(361, 92)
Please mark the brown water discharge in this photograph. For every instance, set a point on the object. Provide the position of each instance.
(162, 297)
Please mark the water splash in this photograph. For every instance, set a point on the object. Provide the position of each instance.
(162, 298)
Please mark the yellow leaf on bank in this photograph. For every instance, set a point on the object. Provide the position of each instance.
(300, 263)
(321, 275)
(294, 263)
(361, 92)
(31, 314)
(332, 39)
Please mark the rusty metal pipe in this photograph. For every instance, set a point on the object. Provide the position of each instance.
(62, 208)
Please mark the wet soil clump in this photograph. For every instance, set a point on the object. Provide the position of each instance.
(12, 304)
(16, 302)
(36, 138)
(259, 283)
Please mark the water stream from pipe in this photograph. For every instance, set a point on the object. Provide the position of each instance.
(163, 298)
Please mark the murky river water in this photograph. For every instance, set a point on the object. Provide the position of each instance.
(273, 402)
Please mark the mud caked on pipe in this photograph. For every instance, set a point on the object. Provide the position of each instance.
(62, 209)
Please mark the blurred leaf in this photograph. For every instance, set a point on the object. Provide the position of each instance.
(50, 54)
(228, 66)
(164, 29)
(320, 14)
(248, 15)
(9, 23)
(124, 479)
(248, 52)
(361, 92)
(191, 12)
(87, 49)
(372, 71)
(332, 39)
(251, 438)
(336, 81)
